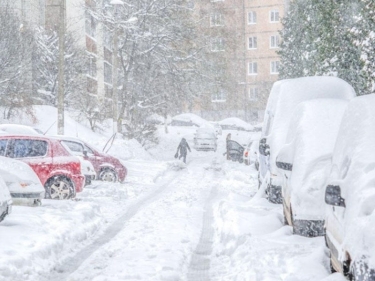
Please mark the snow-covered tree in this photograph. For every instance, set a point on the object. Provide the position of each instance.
(16, 43)
(160, 68)
(46, 70)
(318, 40)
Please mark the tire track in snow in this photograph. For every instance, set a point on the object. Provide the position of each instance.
(71, 264)
(199, 268)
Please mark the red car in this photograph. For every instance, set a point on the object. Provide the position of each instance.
(59, 172)
(107, 167)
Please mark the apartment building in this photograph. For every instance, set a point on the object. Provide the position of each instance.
(93, 37)
(247, 31)
(262, 38)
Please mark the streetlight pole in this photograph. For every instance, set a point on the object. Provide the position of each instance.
(116, 126)
(61, 89)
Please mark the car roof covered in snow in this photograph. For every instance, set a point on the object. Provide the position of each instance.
(190, 118)
(294, 91)
(309, 146)
(16, 129)
(236, 123)
(353, 169)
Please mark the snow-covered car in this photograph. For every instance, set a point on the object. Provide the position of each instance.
(250, 154)
(56, 168)
(217, 128)
(205, 139)
(235, 151)
(187, 119)
(305, 162)
(16, 129)
(76, 148)
(107, 167)
(284, 98)
(5, 200)
(23, 184)
(350, 193)
(234, 123)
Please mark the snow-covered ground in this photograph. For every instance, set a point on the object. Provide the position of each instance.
(169, 221)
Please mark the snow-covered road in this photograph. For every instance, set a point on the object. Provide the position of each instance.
(203, 221)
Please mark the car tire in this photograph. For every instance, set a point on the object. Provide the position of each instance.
(59, 188)
(108, 174)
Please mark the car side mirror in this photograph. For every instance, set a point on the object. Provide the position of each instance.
(264, 148)
(333, 196)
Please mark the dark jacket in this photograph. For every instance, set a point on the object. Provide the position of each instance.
(183, 147)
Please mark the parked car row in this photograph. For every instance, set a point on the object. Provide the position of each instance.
(316, 158)
(34, 166)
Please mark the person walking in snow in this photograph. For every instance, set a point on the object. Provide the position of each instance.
(182, 149)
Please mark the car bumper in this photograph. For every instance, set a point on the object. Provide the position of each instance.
(79, 181)
(308, 228)
(29, 195)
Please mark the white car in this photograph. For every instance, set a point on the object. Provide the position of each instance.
(76, 147)
(284, 98)
(16, 129)
(24, 185)
(350, 193)
(218, 129)
(205, 139)
(305, 161)
(251, 152)
(5, 200)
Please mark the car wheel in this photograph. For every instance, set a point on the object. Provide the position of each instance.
(59, 188)
(108, 174)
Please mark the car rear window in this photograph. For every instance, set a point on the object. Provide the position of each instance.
(21, 148)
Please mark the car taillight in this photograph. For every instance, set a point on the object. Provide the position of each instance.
(246, 154)
(76, 167)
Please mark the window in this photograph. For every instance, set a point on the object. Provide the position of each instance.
(274, 41)
(23, 148)
(73, 146)
(252, 17)
(89, 150)
(274, 16)
(3, 146)
(275, 67)
(216, 19)
(220, 96)
(90, 24)
(107, 73)
(217, 44)
(254, 93)
(91, 66)
(253, 68)
(107, 38)
(253, 44)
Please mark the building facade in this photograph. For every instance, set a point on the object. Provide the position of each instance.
(262, 38)
(247, 31)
